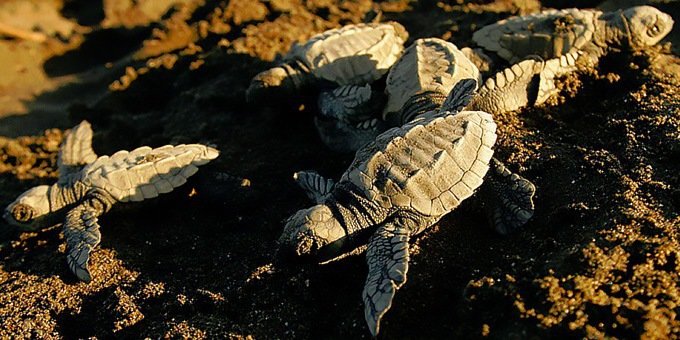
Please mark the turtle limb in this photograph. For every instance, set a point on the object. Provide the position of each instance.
(437, 103)
(460, 96)
(510, 89)
(387, 257)
(587, 58)
(508, 198)
(76, 150)
(315, 186)
(350, 103)
(373, 16)
(565, 64)
(416, 106)
(345, 137)
(81, 230)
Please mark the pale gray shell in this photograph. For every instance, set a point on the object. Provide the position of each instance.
(352, 54)
(145, 172)
(428, 65)
(429, 165)
(549, 34)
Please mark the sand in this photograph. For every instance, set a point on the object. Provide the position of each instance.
(600, 258)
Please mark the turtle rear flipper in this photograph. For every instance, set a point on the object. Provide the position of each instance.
(508, 198)
(315, 186)
(350, 103)
(387, 257)
(341, 136)
(76, 150)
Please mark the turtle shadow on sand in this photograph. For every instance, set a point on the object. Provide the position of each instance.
(40, 255)
(175, 242)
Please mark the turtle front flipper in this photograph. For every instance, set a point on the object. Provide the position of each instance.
(513, 88)
(350, 103)
(508, 198)
(315, 186)
(81, 230)
(387, 257)
(345, 137)
(568, 63)
(557, 67)
(76, 150)
(460, 96)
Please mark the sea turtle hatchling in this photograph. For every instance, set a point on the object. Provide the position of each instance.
(422, 78)
(351, 55)
(568, 39)
(396, 187)
(420, 81)
(89, 186)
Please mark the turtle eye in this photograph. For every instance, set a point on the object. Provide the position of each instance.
(654, 30)
(22, 213)
(654, 27)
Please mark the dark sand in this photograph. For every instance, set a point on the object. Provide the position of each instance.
(600, 258)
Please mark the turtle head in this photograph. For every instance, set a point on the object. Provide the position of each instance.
(267, 83)
(29, 210)
(312, 232)
(646, 25)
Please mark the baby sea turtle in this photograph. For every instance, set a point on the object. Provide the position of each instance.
(568, 39)
(420, 81)
(428, 70)
(425, 69)
(350, 55)
(422, 78)
(89, 186)
(396, 187)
